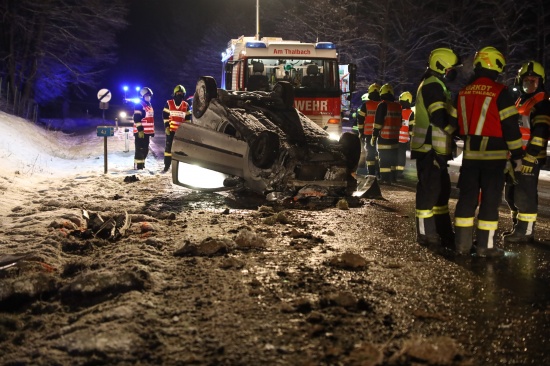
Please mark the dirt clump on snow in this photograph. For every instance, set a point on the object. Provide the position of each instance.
(180, 277)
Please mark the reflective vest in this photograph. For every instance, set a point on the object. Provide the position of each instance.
(524, 110)
(177, 114)
(439, 140)
(404, 131)
(148, 122)
(370, 106)
(392, 121)
(478, 113)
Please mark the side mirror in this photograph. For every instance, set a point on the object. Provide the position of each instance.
(352, 69)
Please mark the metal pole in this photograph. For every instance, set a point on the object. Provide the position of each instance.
(105, 153)
(258, 20)
(126, 140)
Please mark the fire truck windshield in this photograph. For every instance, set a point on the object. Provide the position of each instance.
(310, 74)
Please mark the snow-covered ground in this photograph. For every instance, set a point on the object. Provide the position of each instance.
(31, 157)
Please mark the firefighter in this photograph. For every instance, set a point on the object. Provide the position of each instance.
(365, 125)
(144, 127)
(487, 120)
(534, 110)
(435, 122)
(175, 112)
(385, 134)
(407, 115)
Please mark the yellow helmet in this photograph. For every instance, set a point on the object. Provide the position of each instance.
(532, 68)
(489, 58)
(373, 88)
(406, 97)
(179, 89)
(386, 89)
(442, 59)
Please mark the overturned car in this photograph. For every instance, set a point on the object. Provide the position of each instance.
(260, 142)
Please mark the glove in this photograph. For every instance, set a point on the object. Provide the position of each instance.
(373, 141)
(167, 130)
(141, 134)
(517, 165)
(528, 163)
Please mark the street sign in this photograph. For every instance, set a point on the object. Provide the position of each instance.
(103, 105)
(104, 95)
(105, 131)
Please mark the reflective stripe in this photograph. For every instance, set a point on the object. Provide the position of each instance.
(440, 210)
(486, 155)
(508, 112)
(385, 170)
(436, 106)
(424, 214)
(464, 115)
(387, 147)
(538, 141)
(516, 144)
(487, 225)
(464, 221)
(541, 119)
(527, 217)
(482, 116)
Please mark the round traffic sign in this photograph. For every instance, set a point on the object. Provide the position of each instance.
(104, 95)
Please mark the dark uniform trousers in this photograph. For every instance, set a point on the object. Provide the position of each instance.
(168, 150)
(372, 156)
(523, 196)
(490, 182)
(433, 191)
(387, 152)
(142, 150)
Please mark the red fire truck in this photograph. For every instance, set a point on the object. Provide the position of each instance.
(312, 68)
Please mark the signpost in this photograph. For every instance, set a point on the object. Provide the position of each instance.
(104, 96)
(105, 131)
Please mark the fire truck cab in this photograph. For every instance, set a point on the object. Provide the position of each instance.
(250, 64)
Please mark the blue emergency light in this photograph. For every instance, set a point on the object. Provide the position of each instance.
(255, 45)
(325, 46)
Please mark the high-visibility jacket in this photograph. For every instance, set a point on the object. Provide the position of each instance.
(368, 113)
(427, 137)
(392, 122)
(479, 115)
(177, 114)
(147, 121)
(404, 130)
(524, 109)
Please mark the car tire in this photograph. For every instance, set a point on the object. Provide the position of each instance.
(351, 147)
(264, 149)
(285, 91)
(205, 91)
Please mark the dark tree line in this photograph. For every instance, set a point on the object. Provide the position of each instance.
(51, 47)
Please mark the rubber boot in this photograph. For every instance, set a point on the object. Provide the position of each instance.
(524, 232)
(444, 227)
(385, 178)
(464, 237)
(140, 166)
(485, 246)
(167, 162)
(426, 234)
(394, 176)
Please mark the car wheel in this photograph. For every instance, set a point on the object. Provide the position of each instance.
(205, 91)
(285, 91)
(351, 147)
(264, 149)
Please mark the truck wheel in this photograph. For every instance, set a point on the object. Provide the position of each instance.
(264, 149)
(205, 91)
(351, 147)
(285, 91)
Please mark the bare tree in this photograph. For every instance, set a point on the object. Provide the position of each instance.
(50, 45)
